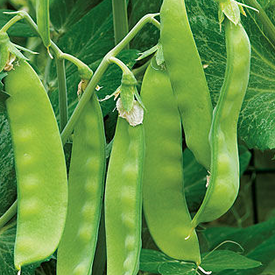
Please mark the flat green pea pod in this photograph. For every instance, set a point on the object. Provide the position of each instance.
(43, 21)
(164, 203)
(86, 183)
(224, 179)
(187, 78)
(40, 167)
(123, 200)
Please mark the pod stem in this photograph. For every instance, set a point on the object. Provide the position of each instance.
(149, 18)
(120, 20)
(120, 64)
(84, 71)
(8, 215)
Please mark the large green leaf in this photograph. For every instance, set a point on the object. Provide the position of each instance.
(149, 36)
(220, 260)
(64, 14)
(94, 36)
(7, 238)
(258, 242)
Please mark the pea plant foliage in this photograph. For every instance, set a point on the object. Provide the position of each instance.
(137, 137)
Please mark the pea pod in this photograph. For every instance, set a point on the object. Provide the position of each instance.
(164, 203)
(123, 200)
(224, 179)
(4, 50)
(86, 183)
(40, 167)
(187, 78)
(43, 21)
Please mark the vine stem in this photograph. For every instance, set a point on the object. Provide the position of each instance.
(120, 64)
(149, 18)
(269, 28)
(11, 22)
(120, 20)
(84, 70)
(9, 214)
(62, 88)
(100, 71)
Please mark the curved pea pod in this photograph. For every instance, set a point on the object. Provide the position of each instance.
(40, 167)
(123, 200)
(86, 183)
(187, 78)
(164, 202)
(224, 179)
(43, 21)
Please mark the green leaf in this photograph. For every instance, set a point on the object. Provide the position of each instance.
(94, 34)
(220, 260)
(7, 238)
(270, 270)
(64, 14)
(149, 35)
(7, 169)
(151, 260)
(249, 238)
(177, 268)
(258, 242)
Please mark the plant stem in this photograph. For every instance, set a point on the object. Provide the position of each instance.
(149, 18)
(62, 88)
(11, 22)
(84, 70)
(9, 214)
(99, 73)
(120, 20)
(120, 64)
(269, 28)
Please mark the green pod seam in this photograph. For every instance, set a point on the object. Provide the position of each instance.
(123, 200)
(224, 179)
(43, 21)
(164, 202)
(40, 167)
(86, 184)
(187, 78)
